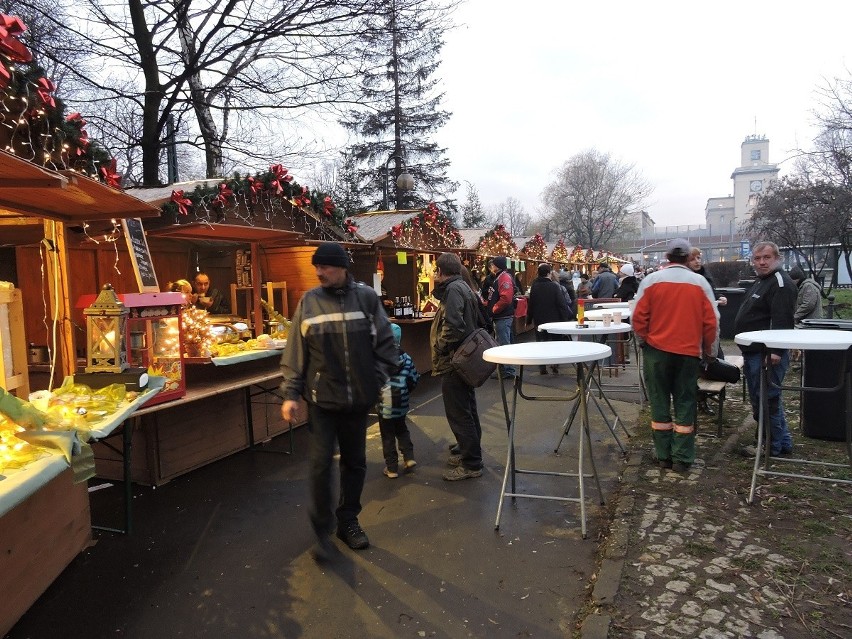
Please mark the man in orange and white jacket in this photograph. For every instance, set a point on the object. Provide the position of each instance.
(675, 321)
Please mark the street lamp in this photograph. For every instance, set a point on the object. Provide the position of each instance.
(404, 182)
(647, 246)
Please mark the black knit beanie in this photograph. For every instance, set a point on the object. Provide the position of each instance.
(331, 254)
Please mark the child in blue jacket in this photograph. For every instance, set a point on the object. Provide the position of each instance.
(392, 410)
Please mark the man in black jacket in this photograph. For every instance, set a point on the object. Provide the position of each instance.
(769, 304)
(546, 304)
(339, 354)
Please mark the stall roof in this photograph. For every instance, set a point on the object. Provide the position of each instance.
(376, 225)
(159, 195)
(229, 233)
(31, 192)
(471, 237)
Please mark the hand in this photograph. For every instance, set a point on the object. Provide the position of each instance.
(288, 410)
(722, 301)
(774, 359)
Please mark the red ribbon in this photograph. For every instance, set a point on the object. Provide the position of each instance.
(255, 186)
(279, 173)
(225, 193)
(10, 28)
(351, 226)
(44, 88)
(109, 175)
(181, 201)
(327, 205)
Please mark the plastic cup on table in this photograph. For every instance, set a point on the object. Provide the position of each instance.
(607, 319)
(616, 317)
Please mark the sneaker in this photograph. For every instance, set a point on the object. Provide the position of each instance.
(665, 463)
(353, 535)
(542, 370)
(409, 464)
(680, 467)
(392, 474)
(749, 451)
(460, 472)
(454, 460)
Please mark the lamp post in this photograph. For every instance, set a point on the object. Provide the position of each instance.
(404, 182)
(647, 246)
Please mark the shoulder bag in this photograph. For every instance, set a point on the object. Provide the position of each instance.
(468, 361)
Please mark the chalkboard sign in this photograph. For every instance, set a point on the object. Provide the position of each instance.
(140, 255)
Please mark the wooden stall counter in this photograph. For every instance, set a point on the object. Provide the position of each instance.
(415, 341)
(40, 535)
(226, 409)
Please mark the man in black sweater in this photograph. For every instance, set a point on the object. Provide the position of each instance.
(546, 304)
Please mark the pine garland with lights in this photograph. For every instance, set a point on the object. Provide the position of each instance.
(497, 242)
(429, 229)
(536, 248)
(560, 252)
(577, 255)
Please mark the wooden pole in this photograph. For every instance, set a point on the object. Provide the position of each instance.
(256, 285)
(60, 305)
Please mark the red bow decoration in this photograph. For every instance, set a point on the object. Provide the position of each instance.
(327, 206)
(303, 199)
(396, 231)
(225, 193)
(44, 89)
(10, 28)
(255, 188)
(181, 201)
(352, 227)
(109, 175)
(279, 174)
(75, 119)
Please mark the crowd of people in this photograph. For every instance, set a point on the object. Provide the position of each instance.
(346, 360)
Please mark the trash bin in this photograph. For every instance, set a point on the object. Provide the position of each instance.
(728, 312)
(823, 414)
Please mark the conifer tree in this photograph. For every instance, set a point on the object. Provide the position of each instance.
(471, 211)
(400, 107)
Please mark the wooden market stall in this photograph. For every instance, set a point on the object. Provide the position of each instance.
(404, 247)
(44, 516)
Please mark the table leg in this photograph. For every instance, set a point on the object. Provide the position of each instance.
(511, 414)
(126, 448)
(762, 415)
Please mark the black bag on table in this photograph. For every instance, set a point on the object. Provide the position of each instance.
(468, 361)
(718, 370)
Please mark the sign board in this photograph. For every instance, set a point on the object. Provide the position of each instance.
(745, 249)
(140, 255)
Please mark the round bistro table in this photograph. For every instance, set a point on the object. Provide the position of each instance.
(592, 331)
(548, 354)
(805, 340)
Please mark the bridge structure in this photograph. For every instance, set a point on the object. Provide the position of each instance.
(649, 248)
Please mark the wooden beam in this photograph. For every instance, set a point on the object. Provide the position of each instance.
(33, 183)
(60, 303)
(256, 282)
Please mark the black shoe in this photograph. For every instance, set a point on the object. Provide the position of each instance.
(665, 463)
(455, 449)
(705, 408)
(542, 370)
(554, 370)
(353, 535)
(680, 467)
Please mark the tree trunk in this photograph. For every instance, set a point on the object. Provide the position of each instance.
(154, 96)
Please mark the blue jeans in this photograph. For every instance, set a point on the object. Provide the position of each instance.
(329, 430)
(503, 333)
(780, 438)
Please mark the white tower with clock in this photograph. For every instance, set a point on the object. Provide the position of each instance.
(725, 214)
(753, 176)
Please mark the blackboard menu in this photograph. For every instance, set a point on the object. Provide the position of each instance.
(140, 255)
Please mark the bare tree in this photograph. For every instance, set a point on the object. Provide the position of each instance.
(206, 63)
(591, 199)
(510, 213)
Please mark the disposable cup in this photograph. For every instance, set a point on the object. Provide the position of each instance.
(616, 317)
(607, 319)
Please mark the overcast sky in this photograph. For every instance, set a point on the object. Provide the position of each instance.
(672, 87)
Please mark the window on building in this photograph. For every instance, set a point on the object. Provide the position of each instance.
(755, 154)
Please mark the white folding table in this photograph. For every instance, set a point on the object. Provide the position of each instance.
(805, 339)
(548, 354)
(596, 329)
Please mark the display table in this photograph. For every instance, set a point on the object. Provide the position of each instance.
(44, 524)
(806, 340)
(548, 354)
(592, 331)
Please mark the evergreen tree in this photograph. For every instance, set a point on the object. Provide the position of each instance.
(400, 107)
(472, 214)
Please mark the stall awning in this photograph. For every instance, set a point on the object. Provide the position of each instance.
(29, 191)
(229, 233)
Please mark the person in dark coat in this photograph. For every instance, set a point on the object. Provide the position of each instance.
(627, 283)
(546, 304)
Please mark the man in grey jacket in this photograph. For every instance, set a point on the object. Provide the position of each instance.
(455, 319)
(605, 283)
(339, 354)
(809, 297)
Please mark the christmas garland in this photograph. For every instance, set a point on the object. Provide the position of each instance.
(496, 242)
(429, 229)
(536, 248)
